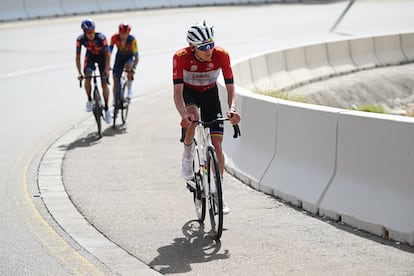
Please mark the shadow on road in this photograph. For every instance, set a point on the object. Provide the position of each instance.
(93, 138)
(110, 131)
(90, 140)
(196, 246)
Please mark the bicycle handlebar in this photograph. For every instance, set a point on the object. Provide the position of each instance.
(236, 127)
(126, 71)
(93, 77)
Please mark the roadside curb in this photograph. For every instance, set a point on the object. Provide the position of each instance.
(68, 217)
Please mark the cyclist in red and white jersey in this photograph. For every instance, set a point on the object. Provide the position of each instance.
(195, 72)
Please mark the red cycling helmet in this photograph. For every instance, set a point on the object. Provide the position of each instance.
(124, 28)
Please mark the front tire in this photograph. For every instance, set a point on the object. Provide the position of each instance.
(216, 196)
(198, 195)
(117, 105)
(199, 199)
(97, 112)
(125, 106)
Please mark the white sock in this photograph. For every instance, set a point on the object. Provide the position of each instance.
(129, 86)
(188, 151)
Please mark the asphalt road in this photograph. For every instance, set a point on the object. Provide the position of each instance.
(128, 185)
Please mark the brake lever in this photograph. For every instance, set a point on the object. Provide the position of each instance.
(237, 132)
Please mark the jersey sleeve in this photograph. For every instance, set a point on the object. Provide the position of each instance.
(112, 43)
(225, 65)
(78, 45)
(106, 46)
(134, 46)
(178, 66)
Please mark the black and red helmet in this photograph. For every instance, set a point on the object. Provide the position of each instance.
(124, 28)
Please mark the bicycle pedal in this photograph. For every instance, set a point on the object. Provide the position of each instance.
(190, 187)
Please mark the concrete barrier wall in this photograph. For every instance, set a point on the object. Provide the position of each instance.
(254, 152)
(29, 9)
(363, 53)
(260, 76)
(145, 4)
(276, 62)
(339, 55)
(243, 75)
(318, 62)
(79, 6)
(373, 186)
(11, 10)
(388, 49)
(43, 8)
(355, 167)
(304, 160)
(108, 5)
(289, 68)
(297, 67)
(407, 44)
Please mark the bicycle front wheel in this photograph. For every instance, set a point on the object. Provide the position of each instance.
(125, 105)
(117, 104)
(215, 197)
(97, 111)
(198, 194)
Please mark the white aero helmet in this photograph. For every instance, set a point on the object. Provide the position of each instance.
(199, 34)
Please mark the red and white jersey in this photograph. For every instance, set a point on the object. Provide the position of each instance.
(201, 76)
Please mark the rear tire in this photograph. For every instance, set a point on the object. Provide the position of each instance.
(216, 196)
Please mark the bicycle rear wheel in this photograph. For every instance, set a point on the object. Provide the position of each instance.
(198, 195)
(125, 105)
(215, 197)
(97, 111)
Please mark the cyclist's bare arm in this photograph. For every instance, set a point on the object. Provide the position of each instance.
(232, 114)
(136, 60)
(231, 96)
(78, 66)
(107, 64)
(180, 105)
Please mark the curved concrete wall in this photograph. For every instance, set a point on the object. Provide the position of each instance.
(28, 9)
(356, 167)
(286, 69)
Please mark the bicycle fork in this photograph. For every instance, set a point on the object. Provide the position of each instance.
(205, 183)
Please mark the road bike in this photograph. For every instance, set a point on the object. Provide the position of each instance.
(97, 105)
(206, 184)
(121, 103)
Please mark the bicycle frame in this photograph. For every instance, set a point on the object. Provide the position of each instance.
(121, 104)
(206, 173)
(122, 81)
(202, 143)
(97, 107)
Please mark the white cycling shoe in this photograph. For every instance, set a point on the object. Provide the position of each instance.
(108, 116)
(226, 208)
(89, 106)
